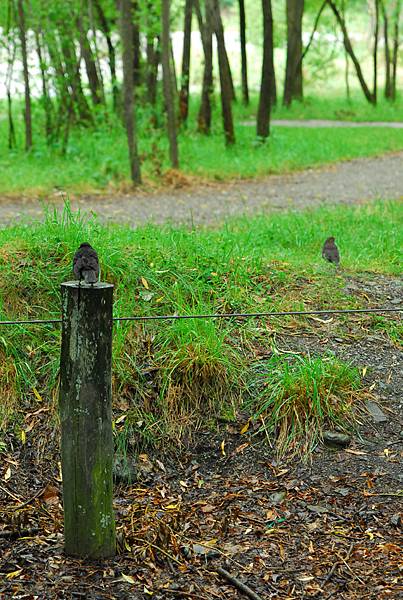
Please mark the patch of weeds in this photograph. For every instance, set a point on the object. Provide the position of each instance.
(198, 373)
(301, 395)
(392, 327)
(9, 394)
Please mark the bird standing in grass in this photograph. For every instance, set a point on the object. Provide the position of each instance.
(330, 251)
(86, 264)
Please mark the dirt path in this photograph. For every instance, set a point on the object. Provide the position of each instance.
(348, 182)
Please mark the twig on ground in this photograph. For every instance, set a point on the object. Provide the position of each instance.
(399, 493)
(10, 494)
(336, 564)
(13, 535)
(242, 587)
(145, 542)
(29, 500)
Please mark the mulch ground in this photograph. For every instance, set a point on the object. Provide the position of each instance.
(330, 527)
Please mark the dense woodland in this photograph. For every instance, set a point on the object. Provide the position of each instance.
(71, 42)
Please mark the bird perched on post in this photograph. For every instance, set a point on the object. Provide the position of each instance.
(86, 264)
(330, 251)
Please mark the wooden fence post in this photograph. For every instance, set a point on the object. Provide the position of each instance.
(86, 419)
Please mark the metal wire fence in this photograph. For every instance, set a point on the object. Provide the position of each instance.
(173, 317)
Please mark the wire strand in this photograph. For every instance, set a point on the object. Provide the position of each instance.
(288, 313)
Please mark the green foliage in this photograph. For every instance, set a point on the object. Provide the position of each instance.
(96, 158)
(171, 377)
(301, 395)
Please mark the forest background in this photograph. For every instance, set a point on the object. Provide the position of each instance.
(84, 84)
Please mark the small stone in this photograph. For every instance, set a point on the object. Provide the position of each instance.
(396, 520)
(124, 470)
(335, 439)
(376, 413)
(277, 497)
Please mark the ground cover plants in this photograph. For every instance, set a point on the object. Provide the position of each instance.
(217, 413)
(174, 377)
(95, 159)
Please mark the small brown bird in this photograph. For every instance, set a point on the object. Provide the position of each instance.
(330, 251)
(86, 264)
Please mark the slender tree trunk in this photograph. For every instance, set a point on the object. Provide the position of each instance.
(228, 67)
(136, 45)
(167, 82)
(225, 82)
(293, 75)
(349, 49)
(72, 67)
(90, 65)
(11, 129)
(263, 115)
(206, 28)
(395, 52)
(375, 53)
(47, 103)
(244, 61)
(27, 93)
(388, 64)
(126, 32)
(187, 35)
(111, 53)
(346, 62)
(153, 59)
(173, 69)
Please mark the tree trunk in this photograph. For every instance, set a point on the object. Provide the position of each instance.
(153, 58)
(126, 33)
(395, 52)
(167, 82)
(228, 66)
(225, 82)
(72, 67)
(173, 69)
(263, 115)
(375, 53)
(187, 35)
(204, 117)
(27, 93)
(346, 62)
(90, 66)
(293, 75)
(244, 62)
(47, 103)
(349, 49)
(388, 64)
(136, 46)
(111, 53)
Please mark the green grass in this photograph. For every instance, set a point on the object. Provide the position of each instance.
(335, 107)
(96, 159)
(172, 377)
(301, 395)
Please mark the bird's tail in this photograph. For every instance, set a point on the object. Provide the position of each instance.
(90, 276)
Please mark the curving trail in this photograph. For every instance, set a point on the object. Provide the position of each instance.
(350, 182)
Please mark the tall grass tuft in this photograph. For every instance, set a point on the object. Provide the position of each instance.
(302, 395)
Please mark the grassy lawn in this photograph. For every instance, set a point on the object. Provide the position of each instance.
(171, 377)
(335, 107)
(96, 159)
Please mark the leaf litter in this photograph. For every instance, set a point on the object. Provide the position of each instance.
(226, 515)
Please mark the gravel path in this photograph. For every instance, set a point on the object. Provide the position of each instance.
(343, 183)
(329, 123)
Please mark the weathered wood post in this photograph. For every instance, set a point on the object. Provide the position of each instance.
(86, 419)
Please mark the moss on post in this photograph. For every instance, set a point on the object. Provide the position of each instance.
(86, 419)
